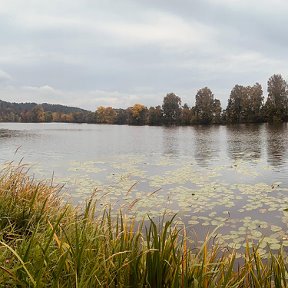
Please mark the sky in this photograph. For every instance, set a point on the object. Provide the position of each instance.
(117, 53)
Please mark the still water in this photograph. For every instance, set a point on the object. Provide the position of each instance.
(234, 177)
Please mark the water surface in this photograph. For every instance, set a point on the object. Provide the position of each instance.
(233, 176)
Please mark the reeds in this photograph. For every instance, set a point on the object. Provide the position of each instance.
(45, 243)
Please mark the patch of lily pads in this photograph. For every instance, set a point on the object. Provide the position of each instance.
(226, 196)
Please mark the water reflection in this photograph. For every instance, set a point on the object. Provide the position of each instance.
(6, 142)
(170, 140)
(5, 133)
(206, 144)
(244, 141)
(276, 143)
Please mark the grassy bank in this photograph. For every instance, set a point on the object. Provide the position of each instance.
(45, 243)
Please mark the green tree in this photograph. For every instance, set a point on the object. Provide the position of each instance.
(122, 116)
(155, 116)
(255, 103)
(204, 106)
(171, 109)
(217, 112)
(277, 100)
(78, 117)
(235, 104)
(245, 104)
(185, 117)
(90, 117)
(48, 116)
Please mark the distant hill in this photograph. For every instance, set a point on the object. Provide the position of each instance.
(33, 112)
(21, 107)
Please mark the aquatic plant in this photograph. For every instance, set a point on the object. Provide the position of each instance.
(47, 243)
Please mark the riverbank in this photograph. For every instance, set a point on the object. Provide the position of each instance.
(47, 243)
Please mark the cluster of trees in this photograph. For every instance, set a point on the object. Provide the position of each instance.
(245, 105)
(32, 112)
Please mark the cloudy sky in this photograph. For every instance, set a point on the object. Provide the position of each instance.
(88, 53)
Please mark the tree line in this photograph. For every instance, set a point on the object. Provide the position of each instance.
(245, 105)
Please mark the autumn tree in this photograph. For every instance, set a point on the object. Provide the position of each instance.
(105, 115)
(56, 116)
(171, 108)
(137, 115)
(26, 116)
(38, 114)
(277, 101)
(68, 118)
(100, 114)
(110, 115)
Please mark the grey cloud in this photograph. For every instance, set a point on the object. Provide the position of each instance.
(122, 46)
(4, 77)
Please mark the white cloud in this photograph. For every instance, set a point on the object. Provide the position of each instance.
(84, 99)
(155, 28)
(164, 29)
(30, 94)
(4, 76)
(44, 88)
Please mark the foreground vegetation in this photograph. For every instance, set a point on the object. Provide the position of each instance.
(46, 243)
(245, 105)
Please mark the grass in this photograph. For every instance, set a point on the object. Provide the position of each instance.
(46, 243)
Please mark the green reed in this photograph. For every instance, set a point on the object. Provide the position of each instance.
(47, 243)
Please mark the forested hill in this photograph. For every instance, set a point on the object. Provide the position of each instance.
(33, 112)
(19, 107)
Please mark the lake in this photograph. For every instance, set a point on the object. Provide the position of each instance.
(234, 177)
